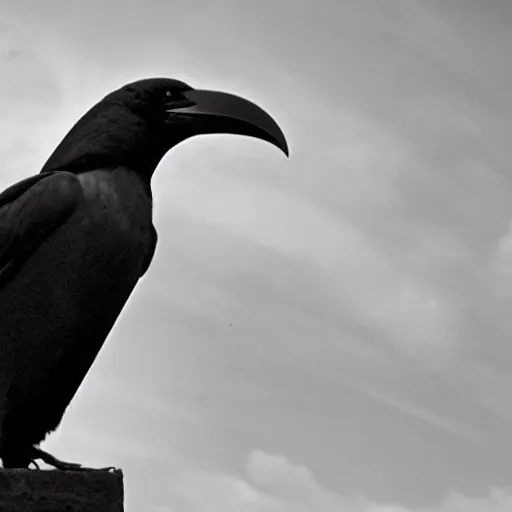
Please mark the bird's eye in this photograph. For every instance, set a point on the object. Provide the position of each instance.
(168, 94)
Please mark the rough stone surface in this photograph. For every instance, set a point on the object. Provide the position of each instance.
(29, 490)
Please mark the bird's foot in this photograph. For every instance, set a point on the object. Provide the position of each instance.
(49, 459)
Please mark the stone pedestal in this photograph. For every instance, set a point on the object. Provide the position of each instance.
(29, 490)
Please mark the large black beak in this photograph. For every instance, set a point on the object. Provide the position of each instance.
(220, 112)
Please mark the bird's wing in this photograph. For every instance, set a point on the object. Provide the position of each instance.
(30, 211)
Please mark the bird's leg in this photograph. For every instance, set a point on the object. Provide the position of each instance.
(37, 453)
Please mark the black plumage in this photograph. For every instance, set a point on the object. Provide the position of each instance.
(76, 238)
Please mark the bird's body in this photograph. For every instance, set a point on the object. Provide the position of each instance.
(76, 238)
(108, 234)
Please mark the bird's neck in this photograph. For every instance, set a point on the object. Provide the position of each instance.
(121, 191)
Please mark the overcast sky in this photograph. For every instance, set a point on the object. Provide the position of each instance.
(328, 333)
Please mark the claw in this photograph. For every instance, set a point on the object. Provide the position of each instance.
(37, 453)
(35, 464)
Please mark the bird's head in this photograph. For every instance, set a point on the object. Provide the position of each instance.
(137, 124)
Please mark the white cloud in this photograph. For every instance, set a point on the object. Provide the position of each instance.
(272, 478)
(277, 469)
(218, 493)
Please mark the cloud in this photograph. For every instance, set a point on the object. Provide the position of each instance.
(274, 484)
(413, 409)
(276, 471)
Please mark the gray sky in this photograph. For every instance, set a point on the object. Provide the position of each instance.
(328, 333)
